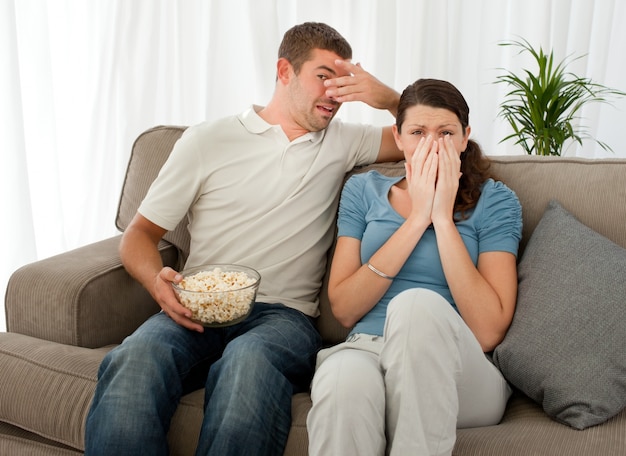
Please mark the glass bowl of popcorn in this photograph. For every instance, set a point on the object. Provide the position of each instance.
(218, 294)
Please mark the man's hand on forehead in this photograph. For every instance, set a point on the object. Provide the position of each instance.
(356, 84)
(347, 84)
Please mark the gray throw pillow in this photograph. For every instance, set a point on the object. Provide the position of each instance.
(566, 347)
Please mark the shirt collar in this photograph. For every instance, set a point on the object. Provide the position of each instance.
(256, 125)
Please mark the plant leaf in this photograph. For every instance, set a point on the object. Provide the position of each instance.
(543, 103)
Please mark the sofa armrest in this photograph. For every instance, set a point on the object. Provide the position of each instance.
(83, 297)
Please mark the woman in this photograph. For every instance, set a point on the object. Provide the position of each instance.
(425, 272)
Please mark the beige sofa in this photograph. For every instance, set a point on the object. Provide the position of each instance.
(64, 313)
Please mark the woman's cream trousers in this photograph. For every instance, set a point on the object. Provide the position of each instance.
(405, 393)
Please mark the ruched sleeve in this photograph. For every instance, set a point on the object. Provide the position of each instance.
(501, 219)
(351, 220)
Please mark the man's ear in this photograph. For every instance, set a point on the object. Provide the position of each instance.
(284, 70)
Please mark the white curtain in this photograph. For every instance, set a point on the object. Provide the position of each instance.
(80, 79)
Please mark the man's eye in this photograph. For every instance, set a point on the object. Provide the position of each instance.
(323, 77)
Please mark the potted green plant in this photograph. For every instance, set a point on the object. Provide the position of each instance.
(544, 104)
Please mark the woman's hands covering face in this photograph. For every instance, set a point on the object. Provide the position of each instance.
(421, 177)
(432, 174)
(448, 174)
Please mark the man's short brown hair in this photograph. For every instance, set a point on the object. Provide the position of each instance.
(300, 40)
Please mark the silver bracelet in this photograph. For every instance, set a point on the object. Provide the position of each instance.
(380, 273)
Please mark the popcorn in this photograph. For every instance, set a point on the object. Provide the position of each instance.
(217, 296)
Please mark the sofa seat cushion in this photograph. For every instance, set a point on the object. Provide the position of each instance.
(566, 345)
(526, 430)
(47, 390)
(47, 387)
(186, 423)
(16, 441)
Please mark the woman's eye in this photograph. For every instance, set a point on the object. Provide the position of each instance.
(446, 133)
(417, 132)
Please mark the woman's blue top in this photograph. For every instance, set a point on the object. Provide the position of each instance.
(494, 224)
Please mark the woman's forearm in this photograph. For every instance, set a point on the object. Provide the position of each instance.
(485, 305)
(355, 288)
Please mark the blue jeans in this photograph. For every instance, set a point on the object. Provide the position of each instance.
(253, 368)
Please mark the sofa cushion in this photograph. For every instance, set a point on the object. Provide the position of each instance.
(17, 441)
(150, 151)
(47, 390)
(566, 345)
(587, 188)
(47, 387)
(526, 430)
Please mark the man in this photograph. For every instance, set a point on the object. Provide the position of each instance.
(260, 189)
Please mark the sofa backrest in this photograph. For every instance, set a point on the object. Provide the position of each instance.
(149, 152)
(592, 190)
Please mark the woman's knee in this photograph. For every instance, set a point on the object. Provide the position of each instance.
(419, 306)
(352, 379)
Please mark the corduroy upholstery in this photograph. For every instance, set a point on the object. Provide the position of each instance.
(64, 313)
